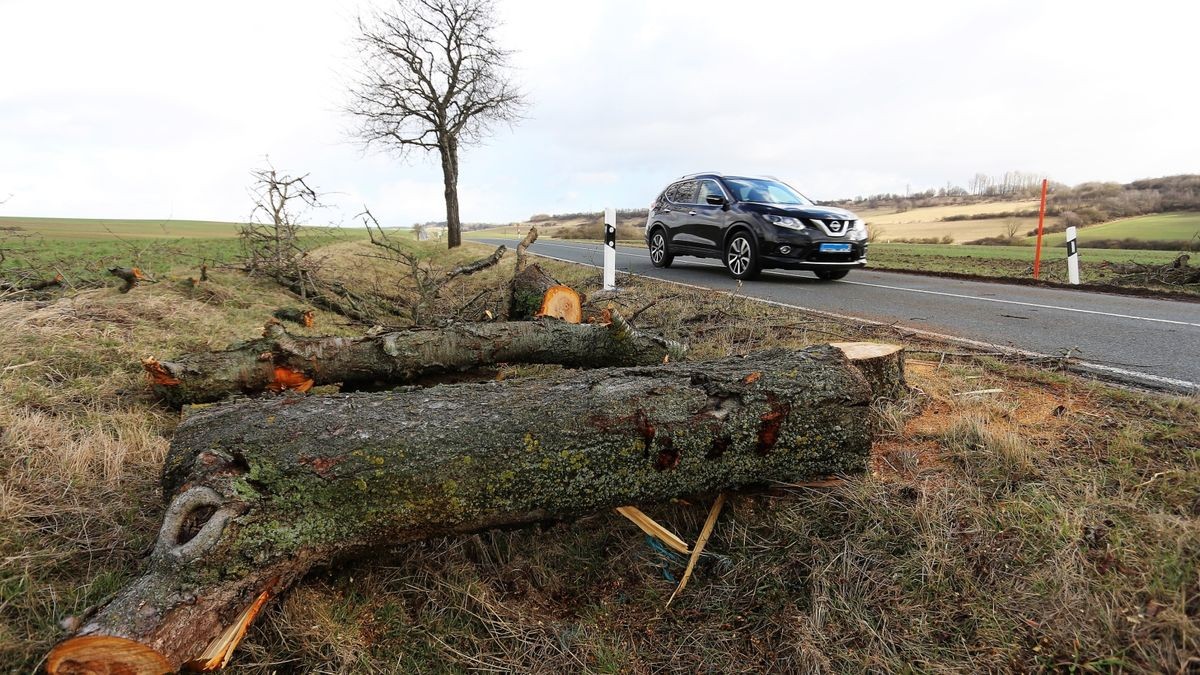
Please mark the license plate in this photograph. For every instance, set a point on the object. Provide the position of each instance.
(834, 248)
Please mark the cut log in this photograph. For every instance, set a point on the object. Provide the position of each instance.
(279, 361)
(32, 286)
(261, 490)
(561, 302)
(304, 317)
(527, 290)
(881, 364)
(132, 276)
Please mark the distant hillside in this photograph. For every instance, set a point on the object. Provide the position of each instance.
(999, 209)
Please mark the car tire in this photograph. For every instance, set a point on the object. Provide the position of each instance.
(660, 249)
(741, 256)
(831, 275)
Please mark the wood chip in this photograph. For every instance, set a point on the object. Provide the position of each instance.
(979, 391)
(652, 528)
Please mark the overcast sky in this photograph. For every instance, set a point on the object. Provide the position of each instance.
(156, 109)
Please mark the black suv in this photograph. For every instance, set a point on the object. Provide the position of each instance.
(751, 224)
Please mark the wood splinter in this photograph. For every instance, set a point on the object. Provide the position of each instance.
(709, 524)
(653, 528)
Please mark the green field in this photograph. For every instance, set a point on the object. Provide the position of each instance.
(1014, 262)
(82, 249)
(1182, 226)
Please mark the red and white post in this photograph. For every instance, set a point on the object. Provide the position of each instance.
(1072, 256)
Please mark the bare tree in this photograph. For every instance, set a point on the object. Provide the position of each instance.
(433, 78)
(272, 237)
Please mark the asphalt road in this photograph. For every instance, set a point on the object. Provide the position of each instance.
(1137, 340)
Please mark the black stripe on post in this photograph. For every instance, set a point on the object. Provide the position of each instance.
(1072, 248)
(610, 235)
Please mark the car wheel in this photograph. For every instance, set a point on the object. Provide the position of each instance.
(660, 255)
(831, 275)
(741, 256)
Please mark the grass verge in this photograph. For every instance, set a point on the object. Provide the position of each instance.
(1053, 525)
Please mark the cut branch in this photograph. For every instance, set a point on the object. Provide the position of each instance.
(31, 286)
(279, 361)
(132, 276)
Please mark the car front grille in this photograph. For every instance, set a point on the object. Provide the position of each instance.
(837, 226)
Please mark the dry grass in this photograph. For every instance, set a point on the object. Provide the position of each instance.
(1052, 526)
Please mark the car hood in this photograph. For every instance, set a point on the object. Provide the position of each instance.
(814, 211)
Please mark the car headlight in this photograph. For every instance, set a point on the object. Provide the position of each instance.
(786, 221)
(858, 230)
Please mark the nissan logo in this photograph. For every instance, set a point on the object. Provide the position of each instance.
(835, 226)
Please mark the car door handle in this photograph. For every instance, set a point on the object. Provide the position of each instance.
(691, 213)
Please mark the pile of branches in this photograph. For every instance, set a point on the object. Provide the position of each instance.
(1175, 273)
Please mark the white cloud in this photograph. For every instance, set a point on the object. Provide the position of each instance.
(153, 109)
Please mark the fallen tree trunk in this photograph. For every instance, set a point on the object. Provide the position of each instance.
(261, 490)
(281, 361)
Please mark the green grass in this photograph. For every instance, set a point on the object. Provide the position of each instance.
(1015, 262)
(1053, 526)
(1181, 226)
(82, 249)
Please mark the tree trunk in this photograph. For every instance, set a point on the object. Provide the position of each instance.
(262, 490)
(279, 361)
(449, 150)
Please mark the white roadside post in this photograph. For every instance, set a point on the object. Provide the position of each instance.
(610, 249)
(1072, 256)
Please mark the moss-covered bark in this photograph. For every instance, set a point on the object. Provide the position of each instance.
(527, 289)
(262, 489)
(282, 361)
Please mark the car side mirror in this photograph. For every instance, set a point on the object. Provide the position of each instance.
(715, 200)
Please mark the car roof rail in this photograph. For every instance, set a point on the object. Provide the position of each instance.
(717, 174)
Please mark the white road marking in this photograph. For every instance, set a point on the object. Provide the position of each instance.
(918, 290)
(1184, 385)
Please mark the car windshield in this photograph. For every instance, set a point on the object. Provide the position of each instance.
(765, 191)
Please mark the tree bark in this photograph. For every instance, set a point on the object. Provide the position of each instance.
(32, 286)
(261, 490)
(132, 276)
(279, 361)
(527, 290)
(881, 364)
(449, 150)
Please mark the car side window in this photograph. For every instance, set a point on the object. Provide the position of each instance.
(708, 187)
(685, 192)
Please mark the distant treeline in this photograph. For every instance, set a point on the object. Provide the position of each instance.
(1089, 203)
(621, 213)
